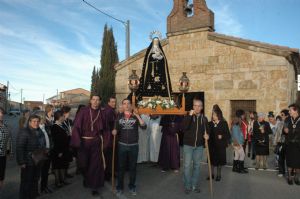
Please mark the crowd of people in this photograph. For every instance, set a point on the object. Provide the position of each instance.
(48, 141)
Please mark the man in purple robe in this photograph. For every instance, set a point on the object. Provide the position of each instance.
(169, 153)
(110, 117)
(87, 138)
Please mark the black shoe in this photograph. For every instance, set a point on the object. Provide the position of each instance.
(66, 183)
(290, 181)
(218, 178)
(248, 155)
(95, 193)
(69, 176)
(58, 185)
(235, 166)
(48, 190)
(242, 169)
(297, 182)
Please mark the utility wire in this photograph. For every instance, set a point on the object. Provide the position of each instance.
(123, 22)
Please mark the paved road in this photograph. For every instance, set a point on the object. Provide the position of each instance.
(152, 184)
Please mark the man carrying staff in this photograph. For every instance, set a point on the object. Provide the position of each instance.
(110, 116)
(195, 126)
(87, 138)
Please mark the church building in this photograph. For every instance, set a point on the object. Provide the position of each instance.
(232, 72)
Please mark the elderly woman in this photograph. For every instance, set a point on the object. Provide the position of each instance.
(5, 146)
(29, 140)
(60, 153)
(261, 132)
(292, 129)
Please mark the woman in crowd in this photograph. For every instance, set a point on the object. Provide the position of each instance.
(292, 129)
(68, 124)
(219, 140)
(237, 142)
(261, 131)
(5, 146)
(46, 164)
(29, 141)
(279, 141)
(169, 153)
(60, 152)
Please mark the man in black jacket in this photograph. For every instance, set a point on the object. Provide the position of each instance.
(195, 132)
(127, 125)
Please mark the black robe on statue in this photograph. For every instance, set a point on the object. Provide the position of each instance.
(155, 78)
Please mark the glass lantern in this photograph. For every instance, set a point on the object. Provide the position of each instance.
(184, 83)
(133, 81)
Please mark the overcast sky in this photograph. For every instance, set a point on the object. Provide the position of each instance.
(53, 44)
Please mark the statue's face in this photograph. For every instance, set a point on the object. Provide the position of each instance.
(155, 41)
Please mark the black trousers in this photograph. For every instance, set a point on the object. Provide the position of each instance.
(44, 174)
(2, 167)
(29, 182)
(281, 161)
(108, 161)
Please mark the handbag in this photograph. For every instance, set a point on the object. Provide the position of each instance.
(38, 156)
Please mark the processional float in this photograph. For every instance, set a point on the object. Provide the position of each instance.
(152, 92)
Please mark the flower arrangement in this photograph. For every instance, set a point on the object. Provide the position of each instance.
(152, 103)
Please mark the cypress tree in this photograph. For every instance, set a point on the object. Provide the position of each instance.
(94, 81)
(109, 57)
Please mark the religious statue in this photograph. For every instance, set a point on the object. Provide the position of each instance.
(155, 78)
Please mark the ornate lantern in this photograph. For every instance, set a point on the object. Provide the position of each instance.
(133, 81)
(184, 83)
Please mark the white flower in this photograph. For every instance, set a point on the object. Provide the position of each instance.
(150, 105)
(167, 106)
(172, 102)
(158, 102)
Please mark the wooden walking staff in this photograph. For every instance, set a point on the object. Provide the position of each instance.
(113, 165)
(209, 167)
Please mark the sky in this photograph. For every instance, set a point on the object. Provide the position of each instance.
(47, 45)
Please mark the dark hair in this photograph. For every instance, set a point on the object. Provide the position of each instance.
(271, 114)
(66, 109)
(2, 110)
(216, 109)
(31, 117)
(111, 97)
(79, 107)
(254, 114)
(57, 115)
(126, 99)
(295, 107)
(285, 112)
(95, 95)
(239, 113)
(278, 117)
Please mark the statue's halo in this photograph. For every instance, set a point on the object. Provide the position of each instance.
(154, 34)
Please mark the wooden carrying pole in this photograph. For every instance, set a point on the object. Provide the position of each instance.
(113, 165)
(209, 167)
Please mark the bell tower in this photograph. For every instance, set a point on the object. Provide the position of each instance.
(190, 15)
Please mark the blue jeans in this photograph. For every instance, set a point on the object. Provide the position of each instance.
(125, 153)
(192, 157)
